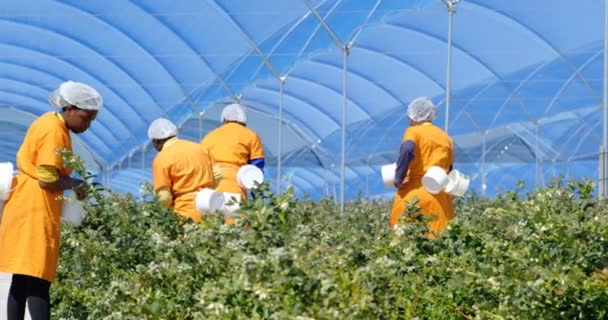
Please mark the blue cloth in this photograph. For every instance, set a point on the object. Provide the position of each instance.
(406, 155)
(259, 162)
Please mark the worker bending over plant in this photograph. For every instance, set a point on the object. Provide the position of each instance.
(180, 169)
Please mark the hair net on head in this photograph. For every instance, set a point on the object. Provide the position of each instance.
(234, 112)
(421, 110)
(77, 94)
(161, 128)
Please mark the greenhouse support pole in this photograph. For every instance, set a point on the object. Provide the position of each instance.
(602, 185)
(451, 5)
(345, 51)
(274, 72)
(536, 168)
(108, 177)
(483, 164)
(282, 80)
(143, 157)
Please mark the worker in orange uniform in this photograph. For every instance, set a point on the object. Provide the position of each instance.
(31, 219)
(180, 169)
(233, 145)
(423, 146)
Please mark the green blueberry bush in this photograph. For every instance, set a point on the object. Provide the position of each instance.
(540, 255)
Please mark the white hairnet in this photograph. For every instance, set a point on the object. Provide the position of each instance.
(77, 94)
(234, 112)
(421, 110)
(161, 128)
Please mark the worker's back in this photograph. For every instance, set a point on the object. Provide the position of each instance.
(231, 146)
(187, 167)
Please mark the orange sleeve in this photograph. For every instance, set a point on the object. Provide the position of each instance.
(48, 144)
(160, 175)
(409, 134)
(257, 149)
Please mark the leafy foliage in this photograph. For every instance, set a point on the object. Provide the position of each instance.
(542, 255)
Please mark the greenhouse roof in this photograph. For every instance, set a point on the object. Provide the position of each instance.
(526, 82)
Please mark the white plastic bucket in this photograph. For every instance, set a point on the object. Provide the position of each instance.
(6, 179)
(458, 183)
(435, 179)
(388, 175)
(232, 202)
(208, 201)
(72, 212)
(248, 175)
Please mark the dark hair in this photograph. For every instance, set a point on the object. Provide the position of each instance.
(163, 140)
(71, 106)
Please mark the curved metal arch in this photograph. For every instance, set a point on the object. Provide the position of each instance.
(99, 160)
(318, 27)
(567, 83)
(285, 111)
(26, 110)
(408, 65)
(242, 30)
(468, 103)
(29, 96)
(300, 183)
(312, 173)
(474, 58)
(580, 142)
(285, 35)
(186, 43)
(94, 53)
(77, 67)
(401, 62)
(571, 136)
(301, 99)
(354, 103)
(294, 127)
(137, 44)
(360, 76)
(564, 86)
(513, 92)
(544, 40)
(121, 98)
(528, 144)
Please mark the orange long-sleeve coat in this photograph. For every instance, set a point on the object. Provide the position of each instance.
(184, 167)
(433, 148)
(31, 218)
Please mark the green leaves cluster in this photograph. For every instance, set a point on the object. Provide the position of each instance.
(542, 255)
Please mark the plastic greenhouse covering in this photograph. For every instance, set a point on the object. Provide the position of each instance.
(524, 77)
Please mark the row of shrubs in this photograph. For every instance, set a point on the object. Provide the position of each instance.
(518, 256)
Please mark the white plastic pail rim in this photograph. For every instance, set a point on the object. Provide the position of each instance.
(208, 201)
(388, 174)
(72, 212)
(458, 183)
(435, 179)
(6, 179)
(248, 175)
